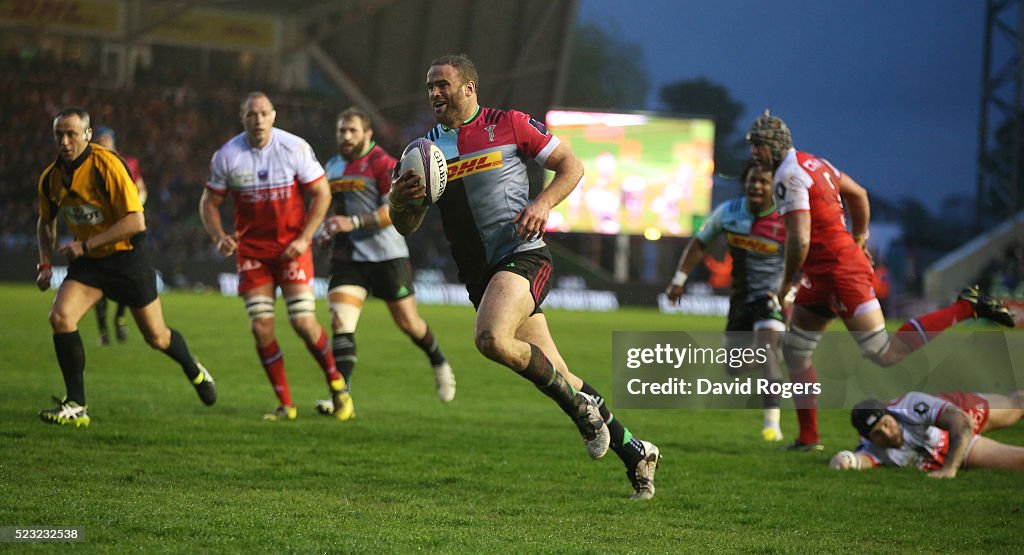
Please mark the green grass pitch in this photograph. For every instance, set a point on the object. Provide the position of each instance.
(498, 470)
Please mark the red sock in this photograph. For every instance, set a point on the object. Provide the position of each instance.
(806, 408)
(273, 363)
(926, 327)
(321, 351)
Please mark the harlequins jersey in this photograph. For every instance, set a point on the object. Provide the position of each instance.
(755, 241)
(488, 185)
(360, 187)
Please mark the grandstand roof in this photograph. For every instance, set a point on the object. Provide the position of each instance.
(377, 51)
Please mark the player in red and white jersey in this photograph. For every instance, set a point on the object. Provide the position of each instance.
(939, 434)
(835, 273)
(266, 170)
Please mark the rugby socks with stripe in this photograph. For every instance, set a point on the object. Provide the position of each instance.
(344, 347)
(71, 357)
(628, 448)
(322, 353)
(273, 363)
(806, 407)
(428, 345)
(542, 374)
(928, 326)
(178, 350)
(773, 400)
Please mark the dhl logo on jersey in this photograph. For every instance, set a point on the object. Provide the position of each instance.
(476, 164)
(347, 184)
(748, 243)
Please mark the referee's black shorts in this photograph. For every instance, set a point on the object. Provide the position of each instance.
(127, 277)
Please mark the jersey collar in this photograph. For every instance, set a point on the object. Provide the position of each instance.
(471, 118)
(77, 162)
(762, 214)
(361, 154)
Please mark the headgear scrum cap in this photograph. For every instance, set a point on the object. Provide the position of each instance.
(866, 414)
(772, 131)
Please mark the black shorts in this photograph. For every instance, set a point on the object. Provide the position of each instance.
(534, 265)
(743, 316)
(390, 280)
(127, 277)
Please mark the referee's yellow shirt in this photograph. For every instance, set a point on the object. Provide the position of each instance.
(91, 194)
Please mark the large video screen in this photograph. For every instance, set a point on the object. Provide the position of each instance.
(644, 174)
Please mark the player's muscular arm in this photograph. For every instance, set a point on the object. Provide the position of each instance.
(856, 200)
(568, 169)
(798, 242)
(692, 256)
(320, 192)
(209, 213)
(125, 228)
(321, 195)
(958, 424)
(46, 234)
(405, 213)
(377, 219)
(129, 225)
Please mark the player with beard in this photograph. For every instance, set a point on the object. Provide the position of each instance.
(369, 255)
(939, 434)
(496, 235)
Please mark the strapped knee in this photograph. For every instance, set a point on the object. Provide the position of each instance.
(801, 343)
(346, 304)
(259, 306)
(303, 304)
(874, 343)
(347, 314)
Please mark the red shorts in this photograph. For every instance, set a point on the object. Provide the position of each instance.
(254, 272)
(974, 405)
(845, 289)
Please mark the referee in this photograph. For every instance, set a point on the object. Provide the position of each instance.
(90, 187)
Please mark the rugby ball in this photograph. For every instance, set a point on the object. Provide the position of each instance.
(426, 160)
(845, 460)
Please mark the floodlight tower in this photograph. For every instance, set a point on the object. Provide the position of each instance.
(1001, 129)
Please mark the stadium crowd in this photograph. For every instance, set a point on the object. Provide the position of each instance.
(171, 120)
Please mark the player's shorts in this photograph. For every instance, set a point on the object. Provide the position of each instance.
(757, 314)
(127, 277)
(746, 318)
(974, 405)
(846, 289)
(389, 280)
(534, 265)
(254, 272)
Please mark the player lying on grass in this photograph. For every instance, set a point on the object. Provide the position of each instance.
(939, 434)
